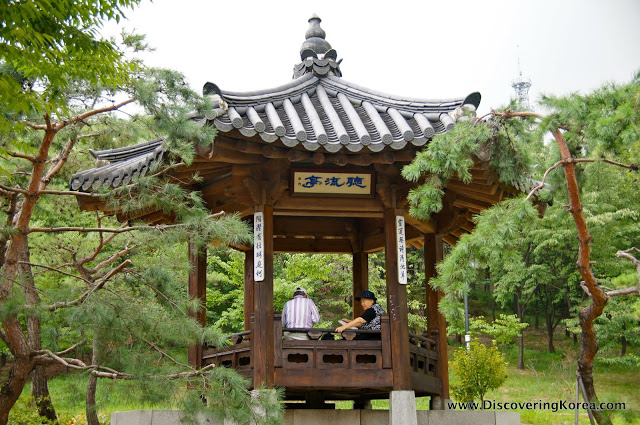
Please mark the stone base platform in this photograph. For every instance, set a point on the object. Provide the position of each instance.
(331, 417)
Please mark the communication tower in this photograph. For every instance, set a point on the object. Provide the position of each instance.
(521, 85)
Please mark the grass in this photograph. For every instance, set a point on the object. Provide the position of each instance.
(547, 377)
(551, 377)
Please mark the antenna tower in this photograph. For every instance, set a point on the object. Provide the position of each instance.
(521, 86)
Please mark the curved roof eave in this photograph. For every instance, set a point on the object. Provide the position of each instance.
(336, 115)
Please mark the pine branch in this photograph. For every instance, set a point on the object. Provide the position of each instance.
(163, 353)
(631, 290)
(69, 192)
(103, 242)
(84, 116)
(168, 299)
(56, 270)
(14, 189)
(73, 347)
(35, 126)
(47, 356)
(59, 161)
(97, 287)
(29, 158)
(111, 230)
(544, 178)
(113, 257)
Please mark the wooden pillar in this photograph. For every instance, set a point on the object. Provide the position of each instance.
(197, 289)
(436, 323)
(397, 306)
(360, 279)
(262, 336)
(249, 284)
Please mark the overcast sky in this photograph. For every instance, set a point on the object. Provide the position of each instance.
(424, 49)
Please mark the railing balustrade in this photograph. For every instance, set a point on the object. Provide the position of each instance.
(323, 360)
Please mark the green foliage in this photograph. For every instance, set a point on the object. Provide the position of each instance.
(48, 46)
(24, 414)
(495, 244)
(630, 360)
(229, 399)
(503, 330)
(451, 154)
(476, 371)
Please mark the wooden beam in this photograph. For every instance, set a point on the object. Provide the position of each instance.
(397, 306)
(197, 288)
(477, 191)
(360, 280)
(325, 204)
(262, 333)
(313, 246)
(471, 205)
(270, 151)
(297, 156)
(436, 322)
(337, 227)
(249, 285)
(450, 239)
(423, 226)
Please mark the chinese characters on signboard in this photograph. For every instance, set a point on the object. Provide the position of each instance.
(332, 183)
(402, 250)
(258, 247)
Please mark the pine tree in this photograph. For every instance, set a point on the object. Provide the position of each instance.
(74, 283)
(599, 128)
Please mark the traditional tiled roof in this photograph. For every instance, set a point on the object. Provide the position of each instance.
(119, 166)
(316, 111)
(332, 114)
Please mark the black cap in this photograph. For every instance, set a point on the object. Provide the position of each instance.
(367, 294)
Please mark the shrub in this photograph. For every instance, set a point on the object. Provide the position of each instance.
(476, 371)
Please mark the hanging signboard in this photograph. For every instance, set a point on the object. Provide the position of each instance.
(401, 241)
(332, 182)
(258, 246)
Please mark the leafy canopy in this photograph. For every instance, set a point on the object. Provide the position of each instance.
(47, 45)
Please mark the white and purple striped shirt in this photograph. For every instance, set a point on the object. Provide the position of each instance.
(300, 312)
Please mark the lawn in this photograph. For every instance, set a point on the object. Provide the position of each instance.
(547, 377)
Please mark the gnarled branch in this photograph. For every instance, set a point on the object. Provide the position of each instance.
(81, 298)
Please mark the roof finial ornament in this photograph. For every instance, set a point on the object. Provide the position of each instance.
(316, 53)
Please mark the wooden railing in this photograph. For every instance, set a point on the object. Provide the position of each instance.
(333, 363)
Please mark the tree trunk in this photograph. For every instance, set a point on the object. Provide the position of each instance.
(13, 386)
(623, 341)
(17, 252)
(588, 342)
(39, 386)
(493, 310)
(552, 349)
(518, 307)
(40, 393)
(92, 385)
(521, 351)
(550, 327)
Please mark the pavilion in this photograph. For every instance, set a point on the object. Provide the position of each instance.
(315, 165)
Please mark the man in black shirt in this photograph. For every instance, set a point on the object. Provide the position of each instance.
(369, 320)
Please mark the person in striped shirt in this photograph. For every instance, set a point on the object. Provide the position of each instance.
(299, 312)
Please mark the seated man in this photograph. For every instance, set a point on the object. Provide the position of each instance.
(299, 312)
(369, 320)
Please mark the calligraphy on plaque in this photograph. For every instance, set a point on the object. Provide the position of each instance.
(258, 246)
(332, 182)
(402, 250)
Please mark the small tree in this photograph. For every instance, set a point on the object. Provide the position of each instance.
(503, 330)
(476, 371)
